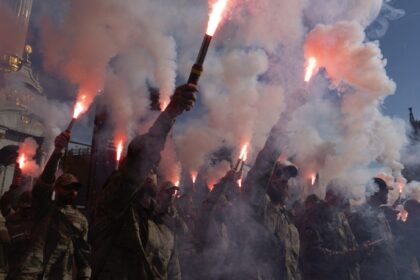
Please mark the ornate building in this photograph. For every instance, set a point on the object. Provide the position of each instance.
(18, 85)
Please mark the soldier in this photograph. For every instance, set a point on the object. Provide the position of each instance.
(410, 243)
(58, 248)
(4, 247)
(278, 248)
(167, 208)
(330, 250)
(128, 241)
(214, 235)
(369, 224)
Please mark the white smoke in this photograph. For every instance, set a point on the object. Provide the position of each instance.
(253, 69)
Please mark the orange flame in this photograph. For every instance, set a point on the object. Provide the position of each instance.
(193, 176)
(216, 16)
(22, 161)
(120, 147)
(313, 179)
(310, 68)
(244, 153)
(80, 107)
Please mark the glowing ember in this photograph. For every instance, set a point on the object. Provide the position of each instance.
(80, 107)
(22, 161)
(193, 176)
(120, 147)
(313, 179)
(216, 15)
(244, 152)
(310, 68)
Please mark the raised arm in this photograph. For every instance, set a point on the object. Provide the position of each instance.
(42, 191)
(143, 155)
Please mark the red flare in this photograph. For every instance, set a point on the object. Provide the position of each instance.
(216, 16)
(79, 107)
(313, 179)
(310, 68)
(21, 161)
(240, 182)
(176, 183)
(400, 187)
(193, 176)
(120, 148)
(164, 105)
(244, 153)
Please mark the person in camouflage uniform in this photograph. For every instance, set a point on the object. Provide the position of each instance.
(369, 224)
(278, 243)
(58, 246)
(4, 248)
(17, 210)
(129, 240)
(215, 238)
(329, 248)
(167, 208)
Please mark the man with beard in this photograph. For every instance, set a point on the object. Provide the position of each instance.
(369, 224)
(57, 248)
(277, 245)
(129, 240)
(330, 250)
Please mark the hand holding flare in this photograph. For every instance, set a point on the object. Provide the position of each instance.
(215, 18)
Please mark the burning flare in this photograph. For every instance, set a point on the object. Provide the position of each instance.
(193, 176)
(176, 183)
(164, 105)
(240, 182)
(244, 153)
(313, 179)
(310, 68)
(120, 147)
(216, 16)
(400, 187)
(80, 106)
(21, 161)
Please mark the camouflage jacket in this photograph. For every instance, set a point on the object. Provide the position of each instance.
(285, 240)
(328, 246)
(4, 246)
(58, 244)
(370, 224)
(130, 242)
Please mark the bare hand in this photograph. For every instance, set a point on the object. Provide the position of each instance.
(182, 100)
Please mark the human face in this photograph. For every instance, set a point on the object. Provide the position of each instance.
(278, 190)
(67, 194)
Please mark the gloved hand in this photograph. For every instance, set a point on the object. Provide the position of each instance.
(61, 141)
(182, 100)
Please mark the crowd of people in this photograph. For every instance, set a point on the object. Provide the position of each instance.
(141, 230)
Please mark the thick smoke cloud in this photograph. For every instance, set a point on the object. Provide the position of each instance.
(252, 73)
